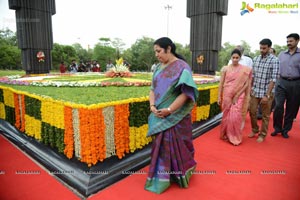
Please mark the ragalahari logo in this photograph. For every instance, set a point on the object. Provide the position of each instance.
(246, 8)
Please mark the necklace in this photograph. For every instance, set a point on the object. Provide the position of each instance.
(234, 69)
(163, 65)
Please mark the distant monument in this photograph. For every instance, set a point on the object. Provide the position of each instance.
(206, 33)
(34, 33)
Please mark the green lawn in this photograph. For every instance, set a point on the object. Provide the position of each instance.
(11, 72)
(84, 95)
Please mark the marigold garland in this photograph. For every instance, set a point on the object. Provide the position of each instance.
(2, 110)
(121, 132)
(17, 111)
(33, 127)
(92, 136)
(194, 113)
(91, 132)
(19, 101)
(52, 112)
(214, 95)
(68, 136)
(203, 112)
(8, 98)
(22, 110)
(138, 137)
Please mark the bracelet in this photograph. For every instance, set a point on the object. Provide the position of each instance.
(169, 109)
(152, 105)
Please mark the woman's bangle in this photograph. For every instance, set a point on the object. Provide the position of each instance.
(169, 109)
(151, 107)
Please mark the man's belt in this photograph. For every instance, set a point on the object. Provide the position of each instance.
(290, 78)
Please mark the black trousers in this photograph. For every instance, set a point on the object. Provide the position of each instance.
(287, 101)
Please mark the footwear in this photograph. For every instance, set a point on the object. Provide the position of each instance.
(251, 135)
(285, 134)
(275, 133)
(260, 139)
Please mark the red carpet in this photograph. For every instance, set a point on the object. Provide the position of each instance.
(261, 171)
(23, 179)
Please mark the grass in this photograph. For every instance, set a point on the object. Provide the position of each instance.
(84, 95)
(11, 72)
(87, 95)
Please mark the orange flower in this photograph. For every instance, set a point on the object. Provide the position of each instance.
(92, 135)
(121, 132)
(68, 136)
(17, 111)
(22, 128)
(19, 103)
(194, 113)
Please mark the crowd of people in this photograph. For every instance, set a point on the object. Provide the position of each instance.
(274, 86)
(89, 66)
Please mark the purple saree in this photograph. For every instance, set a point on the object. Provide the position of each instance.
(172, 156)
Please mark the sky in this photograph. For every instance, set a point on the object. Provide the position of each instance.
(85, 21)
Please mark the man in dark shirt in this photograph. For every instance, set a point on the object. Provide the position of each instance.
(287, 92)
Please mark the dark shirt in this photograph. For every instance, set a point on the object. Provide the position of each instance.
(289, 64)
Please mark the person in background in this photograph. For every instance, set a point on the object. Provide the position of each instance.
(95, 66)
(62, 67)
(153, 67)
(81, 67)
(109, 65)
(272, 51)
(73, 67)
(287, 93)
(244, 60)
(265, 73)
(259, 113)
(127, 64)
(234, 89)
(88, 66)
(172, 97)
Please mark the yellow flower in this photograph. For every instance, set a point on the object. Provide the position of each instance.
(119, 62)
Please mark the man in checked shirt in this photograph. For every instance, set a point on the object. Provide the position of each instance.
(265, 73)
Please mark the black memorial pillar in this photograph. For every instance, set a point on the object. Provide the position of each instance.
(34, 33)
(206, 33)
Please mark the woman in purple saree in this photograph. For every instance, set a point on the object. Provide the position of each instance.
(234, 91)
(172, 97)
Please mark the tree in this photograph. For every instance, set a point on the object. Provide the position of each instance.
(82, 53)
(63, 53)
(103, 52)
(279, 48)
(10, 57)
(185, 52)
(8, 37)
(224, 54)
(141, 54)
(9, 53)
(118, 44)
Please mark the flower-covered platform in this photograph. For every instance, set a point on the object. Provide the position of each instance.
(89, 146)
